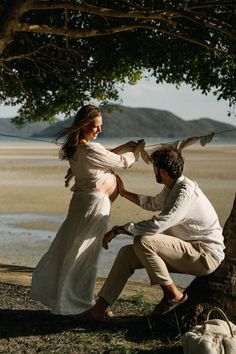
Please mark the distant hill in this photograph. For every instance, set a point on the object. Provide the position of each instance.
(7, 127)
(127, 121)
(141, 122)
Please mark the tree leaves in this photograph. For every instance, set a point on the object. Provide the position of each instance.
(58, 55)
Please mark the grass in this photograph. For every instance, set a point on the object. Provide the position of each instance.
(28, 327)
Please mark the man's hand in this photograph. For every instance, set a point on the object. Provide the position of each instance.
(107, 238)
(112, 234)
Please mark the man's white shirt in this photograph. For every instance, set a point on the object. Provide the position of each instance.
(185, 213)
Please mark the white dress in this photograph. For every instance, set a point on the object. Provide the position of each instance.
(65, 277)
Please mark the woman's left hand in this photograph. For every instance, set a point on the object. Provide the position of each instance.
(130, 145)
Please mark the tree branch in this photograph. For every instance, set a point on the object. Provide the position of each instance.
(123, 28)
(16, 76)
(209, 23)
(78, 34)
(9, 18)
(40, 51)
(162, 14)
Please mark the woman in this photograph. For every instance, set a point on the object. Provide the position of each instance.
(65, 277)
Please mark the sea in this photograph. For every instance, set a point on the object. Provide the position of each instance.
(114, 141)
(20, 243)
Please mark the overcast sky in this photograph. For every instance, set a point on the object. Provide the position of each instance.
(184, 102)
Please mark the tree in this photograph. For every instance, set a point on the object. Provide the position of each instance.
(57, 55)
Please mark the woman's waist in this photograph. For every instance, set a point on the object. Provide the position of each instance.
(102, 184)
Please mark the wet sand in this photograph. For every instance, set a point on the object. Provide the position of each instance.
(32, 185)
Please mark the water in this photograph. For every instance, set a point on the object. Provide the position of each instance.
(25, 246)
(158, 140)
(115, 141)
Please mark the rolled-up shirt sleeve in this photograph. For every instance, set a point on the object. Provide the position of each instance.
(153, 203)
(173, 214)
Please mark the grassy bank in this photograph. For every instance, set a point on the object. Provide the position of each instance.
(28, 327)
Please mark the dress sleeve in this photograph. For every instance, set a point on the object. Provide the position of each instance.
(173, 214)
(100, 157)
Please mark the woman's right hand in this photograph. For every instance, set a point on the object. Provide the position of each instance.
(68, 177)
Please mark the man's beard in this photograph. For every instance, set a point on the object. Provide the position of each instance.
(158, 177)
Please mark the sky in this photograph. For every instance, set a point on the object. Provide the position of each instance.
(183, 102)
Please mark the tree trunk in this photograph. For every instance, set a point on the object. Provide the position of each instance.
(216, 289)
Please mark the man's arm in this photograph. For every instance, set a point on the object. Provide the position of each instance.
(132, 197)
(174, 213)
(152, 203)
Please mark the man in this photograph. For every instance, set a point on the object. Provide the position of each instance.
(185, 237)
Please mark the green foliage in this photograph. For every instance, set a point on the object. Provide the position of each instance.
(47, 73)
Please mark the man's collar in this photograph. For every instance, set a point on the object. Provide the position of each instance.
(180, 179)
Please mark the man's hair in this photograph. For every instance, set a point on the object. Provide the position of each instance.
(168, 159)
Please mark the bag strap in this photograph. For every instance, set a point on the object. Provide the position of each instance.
(217, 309)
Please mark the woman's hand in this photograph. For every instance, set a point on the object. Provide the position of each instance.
(120, 185)
(140, 144)
(130, 145)
(107, 238)
(68, 177)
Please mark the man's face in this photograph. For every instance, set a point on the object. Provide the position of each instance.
(157, 174)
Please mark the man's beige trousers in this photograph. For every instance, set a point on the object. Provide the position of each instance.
(159, 255)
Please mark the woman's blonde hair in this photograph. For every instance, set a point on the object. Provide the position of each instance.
(74, 133)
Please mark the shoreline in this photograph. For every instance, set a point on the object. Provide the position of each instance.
(20, 275)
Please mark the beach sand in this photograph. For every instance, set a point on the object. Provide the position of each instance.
(32, 182)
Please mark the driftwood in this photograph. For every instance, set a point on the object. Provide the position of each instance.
(216, 289)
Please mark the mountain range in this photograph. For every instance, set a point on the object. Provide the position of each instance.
(125, 121)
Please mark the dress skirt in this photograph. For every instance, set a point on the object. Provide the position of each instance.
(65, 277)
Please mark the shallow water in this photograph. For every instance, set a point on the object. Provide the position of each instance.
(25, 246)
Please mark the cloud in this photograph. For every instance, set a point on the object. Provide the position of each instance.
(184, 102)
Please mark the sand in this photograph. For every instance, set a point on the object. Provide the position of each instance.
(32, 182)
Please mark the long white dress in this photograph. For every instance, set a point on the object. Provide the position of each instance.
(65, 277)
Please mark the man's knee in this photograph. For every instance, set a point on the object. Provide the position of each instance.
(125, 252)
(141, 243)
(144, 243)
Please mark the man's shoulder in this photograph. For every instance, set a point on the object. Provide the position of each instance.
(183, 180)
(187, 184)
